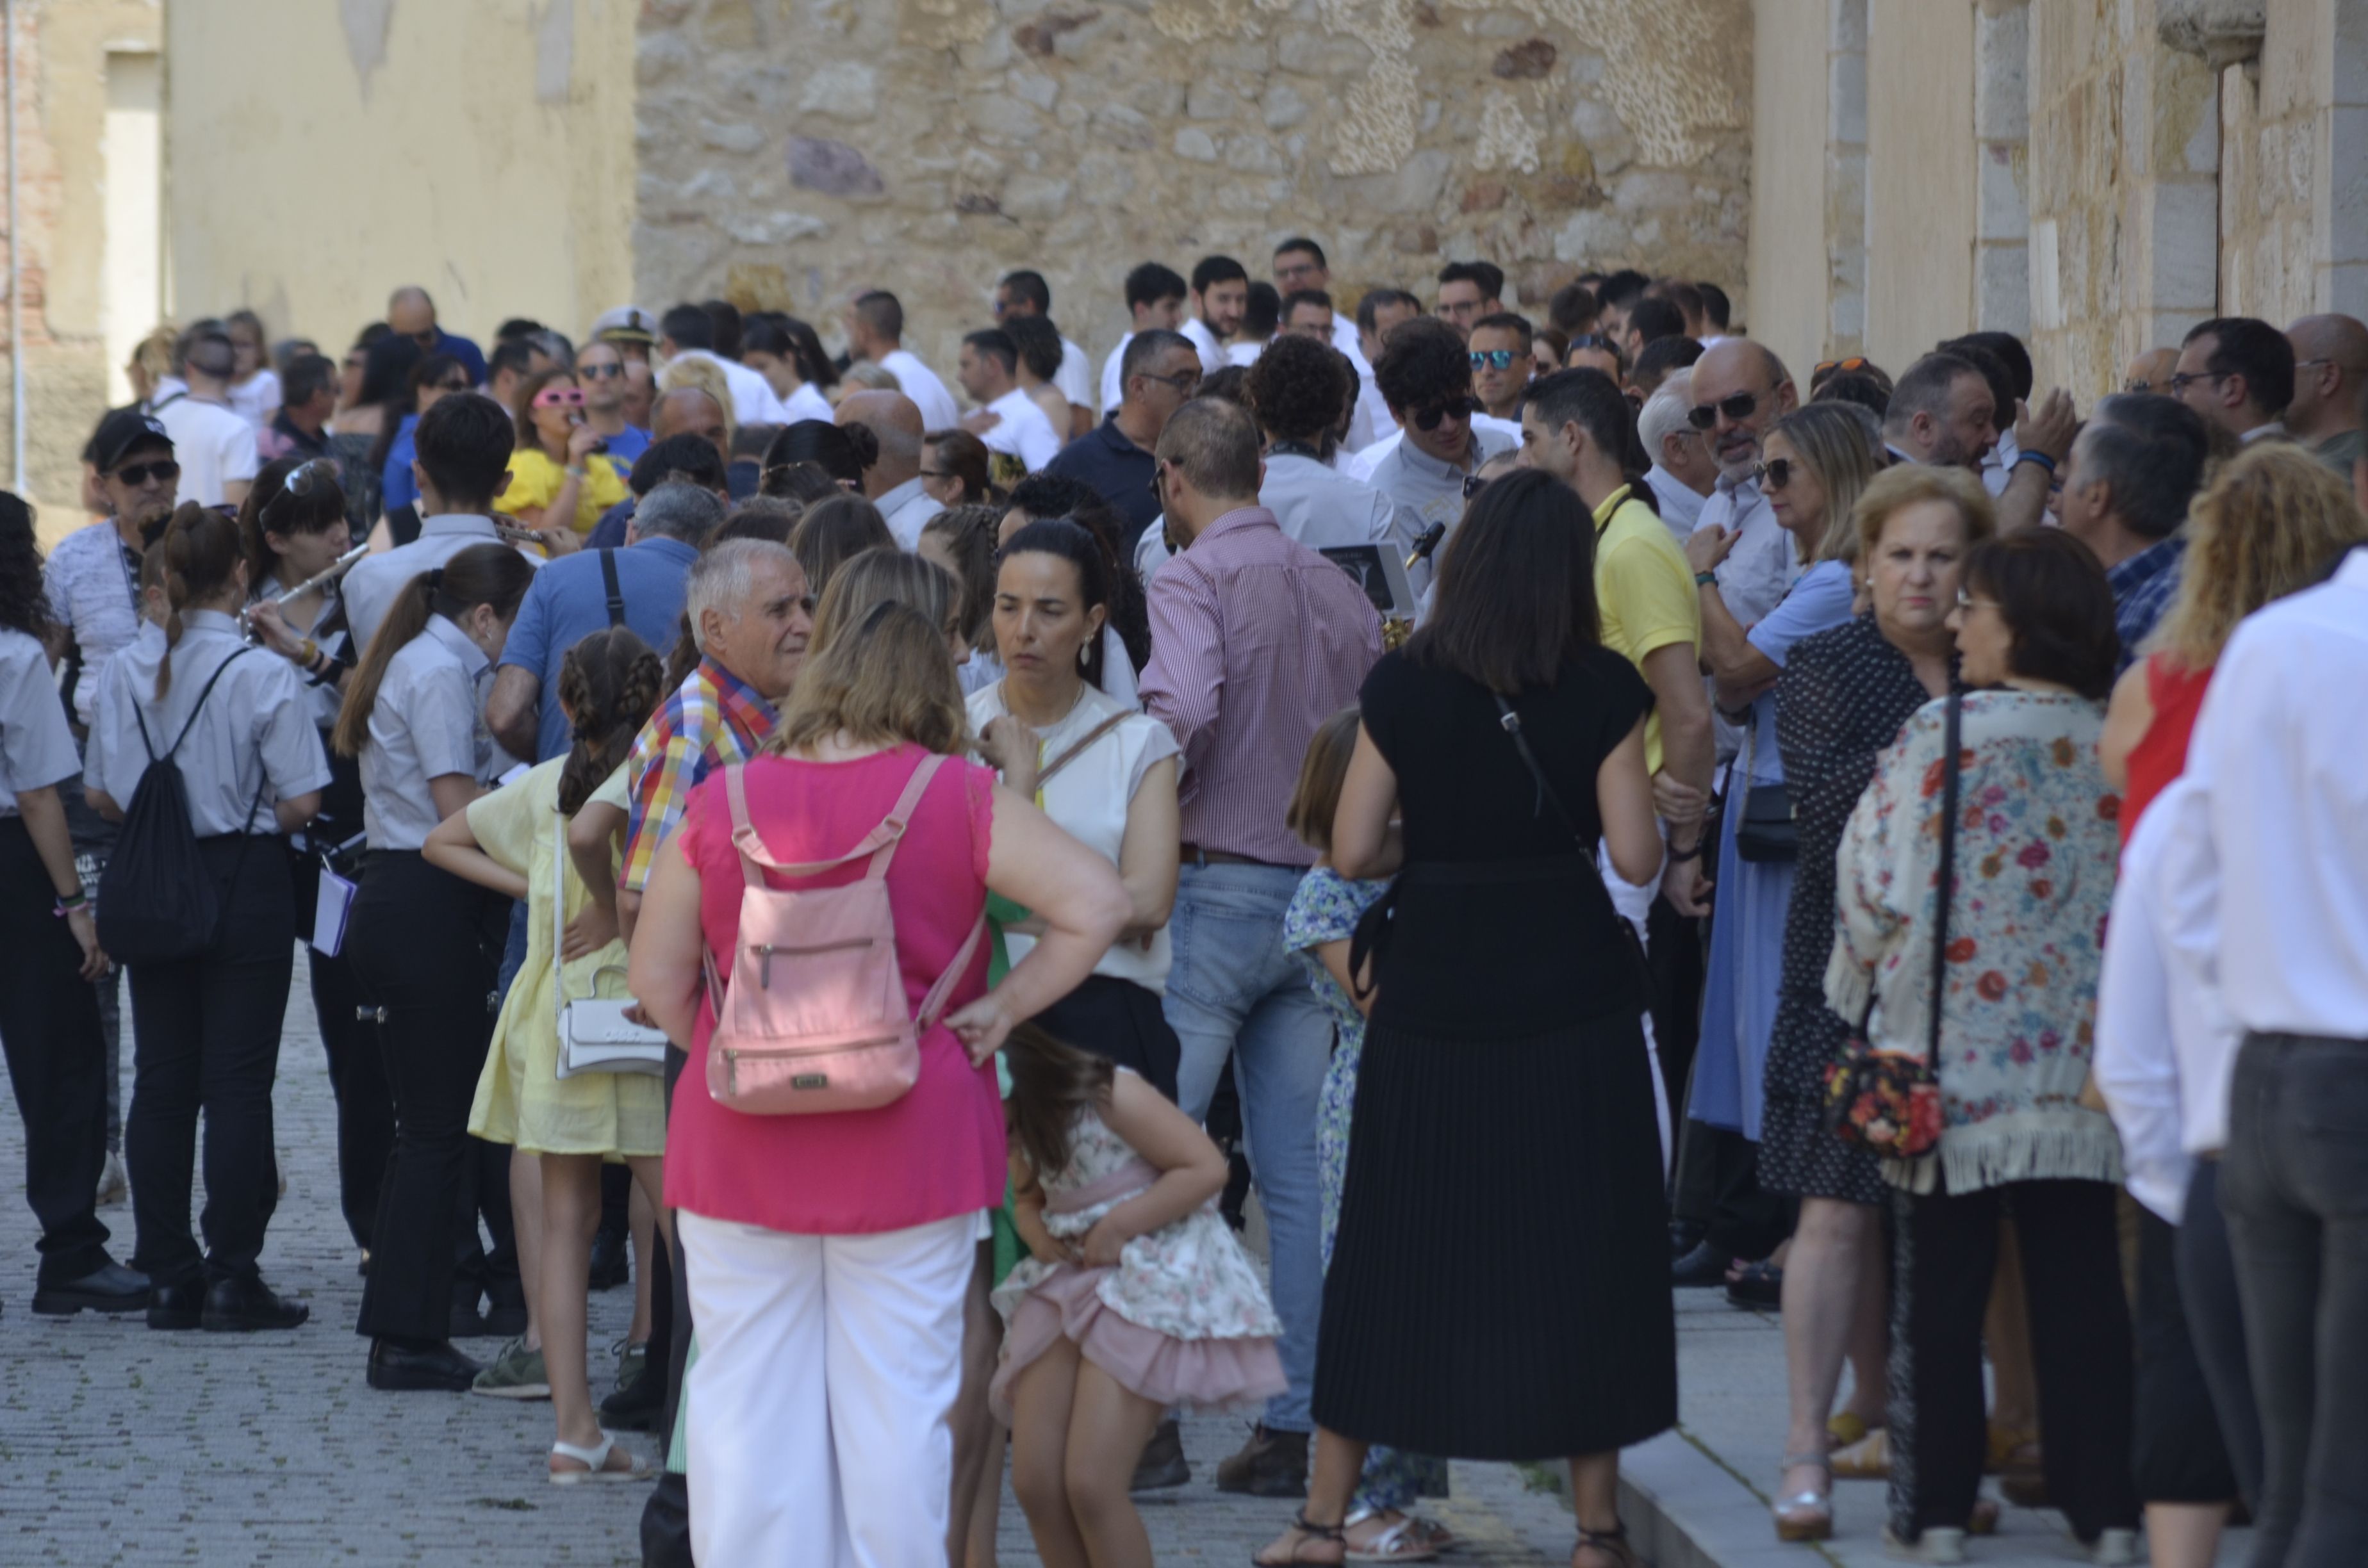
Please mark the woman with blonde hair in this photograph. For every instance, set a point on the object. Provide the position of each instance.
(701, 371)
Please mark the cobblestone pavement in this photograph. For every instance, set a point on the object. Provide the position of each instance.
(122, 1446)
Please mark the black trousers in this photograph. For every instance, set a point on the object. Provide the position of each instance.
(2216, 1324)
(2179, 1457)
(357, 1064)
(94, 840)
(1946, 1250)
(207, 1037)
(1717, 1187)
(57, 1062)
(1673, 951)
(424, 944)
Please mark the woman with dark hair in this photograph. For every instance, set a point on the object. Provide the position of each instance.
(1039, 342)
(768, 348)
(1127, 634)
(838, 449)
(294, 525)
(434, 377)
(207, 1023)
(426, 947)
(364, 430)
(957, 471)
(1505, 1051)
(1976, 937)
(833, 532)
(962, 541)
(562, 477)
(50, 956)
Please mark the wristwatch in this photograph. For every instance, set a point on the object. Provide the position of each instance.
(1706, 579)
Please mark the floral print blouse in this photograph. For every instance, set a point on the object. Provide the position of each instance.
(2037, 845)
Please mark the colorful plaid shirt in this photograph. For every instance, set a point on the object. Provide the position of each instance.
(2143, 587)
(714, 719)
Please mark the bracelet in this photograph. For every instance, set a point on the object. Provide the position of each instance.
(72, 903)
(308, 654)
(576, 471)
(1706, 579)
(2030, 455)
(1679, 857)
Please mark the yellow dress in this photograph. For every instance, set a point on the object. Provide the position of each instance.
(535, 480)
(521, 1100)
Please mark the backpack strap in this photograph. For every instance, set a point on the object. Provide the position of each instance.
(935, 1002)
(880, 843)
(616, 590)
(900, 815)
(200, 708)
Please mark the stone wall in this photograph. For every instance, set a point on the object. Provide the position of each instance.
(2294, 126)
(792, 151)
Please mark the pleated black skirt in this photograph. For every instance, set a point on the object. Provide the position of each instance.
(1501, 1289)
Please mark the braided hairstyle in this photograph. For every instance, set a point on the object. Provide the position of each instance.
(610, 683)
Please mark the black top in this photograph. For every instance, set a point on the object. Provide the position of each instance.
(1117, 469)
(1501, 928)
(1845, 694)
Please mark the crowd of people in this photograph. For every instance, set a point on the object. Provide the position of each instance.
(1538, 787)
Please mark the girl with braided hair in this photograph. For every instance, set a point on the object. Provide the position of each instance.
(513, 841)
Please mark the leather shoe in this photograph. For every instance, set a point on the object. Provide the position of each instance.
(1272, 1464)
(248, 1306)
(1684, 1236)
(1705, 1266)
(178, 1305)
(111, 1287)
(507, 1319)
(611, 1250)
(395, 1367)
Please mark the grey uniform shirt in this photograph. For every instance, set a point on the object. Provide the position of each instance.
(429, 721)
(251, 746)
(377, 580)
(37, 747)
(1433, 491)
(93, 583)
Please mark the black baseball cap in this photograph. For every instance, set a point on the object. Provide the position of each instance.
(121, 432)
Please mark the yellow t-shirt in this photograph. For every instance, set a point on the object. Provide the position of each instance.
(535, 478)
(1644, 591)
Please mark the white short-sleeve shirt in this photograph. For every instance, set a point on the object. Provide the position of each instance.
(37, 747)
(428, 721)
(214, 444)
(1021, 430)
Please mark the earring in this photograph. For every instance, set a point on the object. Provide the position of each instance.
(1083, 653)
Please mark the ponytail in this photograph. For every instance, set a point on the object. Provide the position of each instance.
(201, 553)
(610, 683)
(482, 574)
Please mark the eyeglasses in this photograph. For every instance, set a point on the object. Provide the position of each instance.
(1158, 490)
(1427, 419)
(1775, 473)
(2181, 382)
(1850, 365)
(1184, 382)
(1591, 340)
(162, 470)
(2346, 369)
(1495, 359)
(2137, 386)
(560, 397)
(600, 372)
(1739, 408)
(1966, 601)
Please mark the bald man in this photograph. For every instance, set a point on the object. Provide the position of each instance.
(2151, 371)
(2330, 368)
(411, 313)
(893, 483)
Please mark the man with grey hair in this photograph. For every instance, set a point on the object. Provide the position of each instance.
(893, 483)
(2133, 472)
(1942, 413)
(1736, 390)
(641, 586)
(1684, 471)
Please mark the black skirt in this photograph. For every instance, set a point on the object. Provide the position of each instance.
(1501, 1289)
(1120, 1021)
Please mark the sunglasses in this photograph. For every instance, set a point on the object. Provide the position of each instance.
(1739, 408)
(1427, 419)
(1774, 474)
(1495, 359)
(2180, 383)
(304, 475)
(600, 372)
(1851, 365)
(560, 397)
(162, 469)
(458, 383)
(1185, 381)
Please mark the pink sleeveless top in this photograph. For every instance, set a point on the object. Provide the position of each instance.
(937, 1152)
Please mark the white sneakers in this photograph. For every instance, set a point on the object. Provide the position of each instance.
(1935, 1545)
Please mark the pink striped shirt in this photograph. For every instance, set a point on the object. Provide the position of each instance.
(1256, 640)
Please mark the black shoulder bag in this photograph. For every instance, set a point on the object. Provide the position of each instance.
(1888, 1102)
(616, 591)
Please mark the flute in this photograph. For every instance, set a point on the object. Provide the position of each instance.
(336, 569)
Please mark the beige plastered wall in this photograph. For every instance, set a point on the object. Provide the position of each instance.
(61, 49)
(1920, 169)
(1791, 106)
(2293, 127)
(322, 152)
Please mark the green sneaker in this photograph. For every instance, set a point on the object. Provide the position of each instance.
(515, 1373)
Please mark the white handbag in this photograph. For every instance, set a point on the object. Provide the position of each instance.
(595, 1035)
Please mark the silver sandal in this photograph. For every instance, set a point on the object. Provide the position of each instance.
(1818, 1505)
(1403, 1541)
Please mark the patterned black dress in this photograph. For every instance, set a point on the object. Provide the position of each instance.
(1845, 694)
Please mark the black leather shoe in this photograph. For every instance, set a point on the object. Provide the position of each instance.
(249, 1306)
(466, 1323)
(1684, 1235)
(1272, 1464)
(1705, 1266)
(505, 1319)
(612, 1266)
(111, 1287)
(1162, 1464)
(636, 1406)
(396, 1368)
(177, 1305)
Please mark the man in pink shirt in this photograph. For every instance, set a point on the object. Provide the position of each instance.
(1256, 641)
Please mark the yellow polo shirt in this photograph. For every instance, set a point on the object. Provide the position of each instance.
(1644, 591)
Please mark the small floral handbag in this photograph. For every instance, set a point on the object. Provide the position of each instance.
(1888, 1102)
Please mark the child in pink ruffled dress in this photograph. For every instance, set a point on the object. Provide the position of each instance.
(1137, 1297)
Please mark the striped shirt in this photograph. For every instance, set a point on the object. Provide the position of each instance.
(1256, 640)
(715, 718)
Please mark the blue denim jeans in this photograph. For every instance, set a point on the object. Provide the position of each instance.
(1233, 988)
(2294, 1184)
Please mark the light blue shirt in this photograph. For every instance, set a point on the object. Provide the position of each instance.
(1819, 602)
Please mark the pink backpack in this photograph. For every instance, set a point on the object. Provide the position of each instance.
(814, 1017)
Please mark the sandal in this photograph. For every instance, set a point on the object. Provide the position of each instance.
(1844, 1428)
(595, 1463)
(1756, 1286)
(1612, 1544)
(1869, 1459)
(1809, 1515)
(1403, 1540)
(1311, 1532)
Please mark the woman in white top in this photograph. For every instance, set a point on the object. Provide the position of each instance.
(206, 1015)
(1101, 770)
(426, 947)
(255, 389)
(1126, 629)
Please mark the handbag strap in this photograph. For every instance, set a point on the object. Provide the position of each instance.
(615, 590)
(1070, 756)
(1944, 886)
(1511, 724)
(558, 907)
